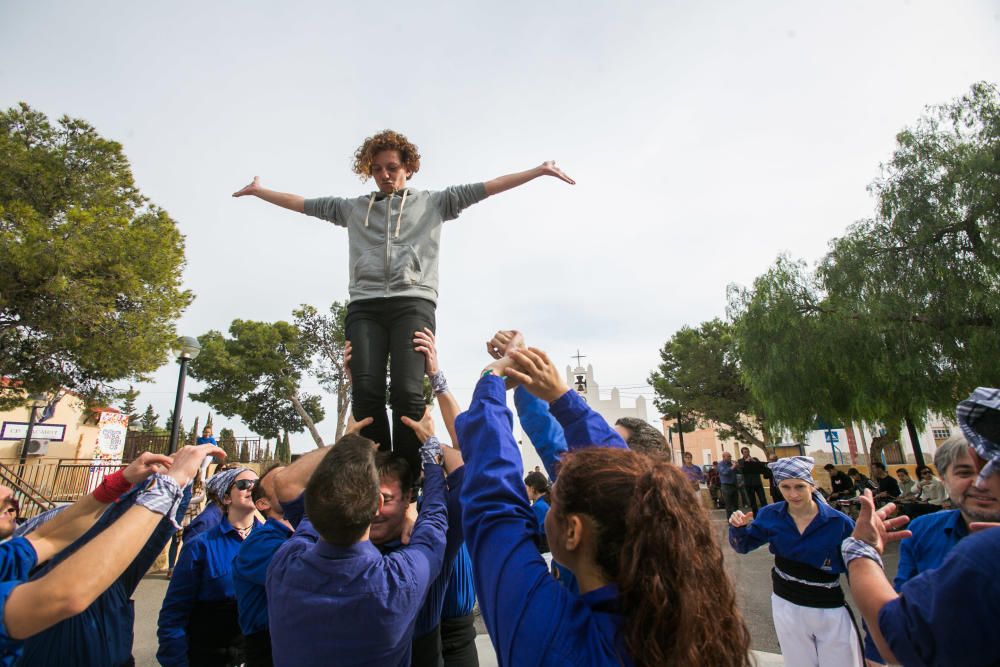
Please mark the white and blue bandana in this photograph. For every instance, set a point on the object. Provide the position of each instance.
(219, 483)
(979, 419)
(795, 467)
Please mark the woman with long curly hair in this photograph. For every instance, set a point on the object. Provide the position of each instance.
(652, 587)
(394, 236)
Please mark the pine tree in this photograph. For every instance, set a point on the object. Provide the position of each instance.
(227, 441)
(128, 405)
(286, 449)
(244, 453)
(193, 437)
(148, 420)
(208, 422)
(267, 451)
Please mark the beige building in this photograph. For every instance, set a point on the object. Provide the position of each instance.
(70, 432)
(705, 445)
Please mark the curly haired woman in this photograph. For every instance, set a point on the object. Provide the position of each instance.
(394, 238)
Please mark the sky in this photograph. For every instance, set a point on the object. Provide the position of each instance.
(705, 139)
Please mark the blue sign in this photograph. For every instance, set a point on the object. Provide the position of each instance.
(831, 437)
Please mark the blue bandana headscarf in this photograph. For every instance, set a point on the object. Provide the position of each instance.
(979, 419)
(220, 482)
(795, 467)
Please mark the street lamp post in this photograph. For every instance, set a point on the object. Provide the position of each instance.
(37, 401)
(186, 348)
(680, 433)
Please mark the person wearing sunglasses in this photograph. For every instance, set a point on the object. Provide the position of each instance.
(9, 511)
(199, 621)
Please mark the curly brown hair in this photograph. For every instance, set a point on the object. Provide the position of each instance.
(656, 542)
(386, 140)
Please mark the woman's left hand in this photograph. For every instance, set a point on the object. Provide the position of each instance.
(144, 466)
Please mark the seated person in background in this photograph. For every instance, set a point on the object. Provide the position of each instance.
(888, 489)
(250, 570)
(30, 607)
(538, 490)
(861, 482)
(333, 598)
(715, 485)
(906, 484)
(931, 495)
(694, 473)
(841, 483)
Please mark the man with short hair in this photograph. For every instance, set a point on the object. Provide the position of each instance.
(751, 468)
(841, 485)
(727, 477)
(888, 489)
(333, 598)
(250, 569)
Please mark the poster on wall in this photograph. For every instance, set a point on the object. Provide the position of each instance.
(107, 457)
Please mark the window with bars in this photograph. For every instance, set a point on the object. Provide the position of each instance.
(941, 432)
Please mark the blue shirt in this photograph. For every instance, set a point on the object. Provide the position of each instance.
(532, 619)
(17, 558)
(203, 574)
(207, 520)
(430, 614)
(460, 597)
(948, 616)
(818, 546)
(250, 573)
(540, 508)
(727, 472)
(352, 605)
(102, 634)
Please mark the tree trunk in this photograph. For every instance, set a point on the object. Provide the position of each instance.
(343, 404)
(918, 454)
(306, 419)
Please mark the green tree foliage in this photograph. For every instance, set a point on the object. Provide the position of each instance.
(255, 374)
(90, 270)
(267, 451)
(194, 434)
(286, 449)
(128, 406)
(208, 423)
(699, 376)
(168, 426)
(901, 316)
(323, 336)
(244, 453)
(227, 442)
(149, 420)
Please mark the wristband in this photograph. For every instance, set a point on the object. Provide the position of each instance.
(111, 488)
(163, 496)
(430, 451)
(438, 383)
(852, 548)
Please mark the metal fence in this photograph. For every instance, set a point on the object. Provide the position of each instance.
(53, 481)
(137, 442)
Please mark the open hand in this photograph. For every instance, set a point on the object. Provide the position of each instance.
(425, 343)
(355, 427)
(550, 169)
(145, 465)
(503, 342)
(533, 369)
(188, 459)
(874, 528)
(423, 428)
(738, 519)
(251, 189)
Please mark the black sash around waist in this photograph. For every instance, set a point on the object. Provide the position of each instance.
(816, 594)
(214, 636)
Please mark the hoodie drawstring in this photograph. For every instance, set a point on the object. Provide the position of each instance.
(371, 202)
(399, 219)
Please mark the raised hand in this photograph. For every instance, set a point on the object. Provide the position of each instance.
(144, 465)
(355, 427)
(874, 528)
(425, 343)
(533, 369)
(504, 341)
(423, 428)
(550, 169)
(347, 360)
(738, 519)
(188, 459)
(251, 189)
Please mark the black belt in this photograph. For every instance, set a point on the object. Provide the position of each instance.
(813, 594)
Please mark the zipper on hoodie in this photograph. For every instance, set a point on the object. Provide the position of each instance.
(388, 220)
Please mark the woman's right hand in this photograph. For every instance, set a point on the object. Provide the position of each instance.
(740, 520)
(251, 189)
(187, 460)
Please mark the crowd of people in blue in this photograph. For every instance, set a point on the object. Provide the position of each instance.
(376, 549)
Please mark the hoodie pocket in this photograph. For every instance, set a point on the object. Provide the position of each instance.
(405, 266)
(369, 270)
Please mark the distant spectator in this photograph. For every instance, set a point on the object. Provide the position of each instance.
(714, 485)
(842, 484)
(751, 469)
(694, 473)
(642, 437)
(930, 497)
(888, 489)
(727, 476)
(861, 481)
(776, 496)
(538, 489)
(906, 483)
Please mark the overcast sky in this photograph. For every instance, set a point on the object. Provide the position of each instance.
(705, 139)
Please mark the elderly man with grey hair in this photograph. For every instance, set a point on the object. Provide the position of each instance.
(935, 535)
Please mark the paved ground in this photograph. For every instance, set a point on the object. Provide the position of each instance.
(750, 572)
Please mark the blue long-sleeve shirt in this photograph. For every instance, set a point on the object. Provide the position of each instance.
(250, 573)
(430, 613)
(948, 616)
(351, 605)
(460, 596)
(727, 472)
(102, 634)
(818, 546)
(203, 574)
(540, 508)
(17, 558)
(531, 618)
(209, 518)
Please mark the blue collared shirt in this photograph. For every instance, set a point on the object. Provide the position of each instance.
(209, 518)
(948, 616)
(250, 573)
(204, 573)
(351, 605)
(727, 472)
(17, 558)
(532, 619)
(818, 546)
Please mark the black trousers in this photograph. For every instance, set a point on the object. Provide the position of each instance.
(381, 331)
(756, 493)
(425, 651)
(458, 642)
(258, 649)
(731, 498)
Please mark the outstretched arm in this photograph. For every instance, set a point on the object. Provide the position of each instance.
(287, 200)
(504, 183)
(290, 481)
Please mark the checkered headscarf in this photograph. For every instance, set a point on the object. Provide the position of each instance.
(795, 467)
(220, 482)
(982, 406)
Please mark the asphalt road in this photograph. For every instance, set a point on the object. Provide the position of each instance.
(751, 572)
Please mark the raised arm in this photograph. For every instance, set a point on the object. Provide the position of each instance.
(290, 482)
(425, 343)
(504, 183)
(70, 524)
(287, 200)
(39, 604)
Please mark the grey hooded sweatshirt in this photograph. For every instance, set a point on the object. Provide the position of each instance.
(394, 239)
